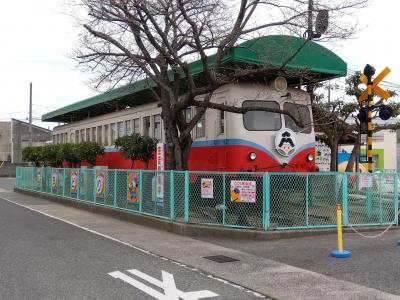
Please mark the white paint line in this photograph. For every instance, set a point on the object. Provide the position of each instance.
(168, 285)
(141, 286)
(143, 251)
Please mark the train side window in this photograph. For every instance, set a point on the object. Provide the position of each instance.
(120, 129)
(221, 122)
(76, 136)
(113, 130)
(302, 113)
(261, 120)
(201, 125)
(136, 125)
(100, 135)
(128, 127)
(93, 134)
(106, 134)
(82, 134)
(146, 126)
(188, 114)
(157, 127)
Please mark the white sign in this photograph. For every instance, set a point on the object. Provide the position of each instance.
(207, 188)
(285, 142)
(167, 284)
(160, 167)
(365, 181)
(243, 191)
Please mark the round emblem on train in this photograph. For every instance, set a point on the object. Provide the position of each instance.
(285, 142)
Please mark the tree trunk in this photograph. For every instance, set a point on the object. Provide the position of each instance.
(334, 154)
(353, 156)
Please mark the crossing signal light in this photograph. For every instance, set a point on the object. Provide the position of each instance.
(385, 112)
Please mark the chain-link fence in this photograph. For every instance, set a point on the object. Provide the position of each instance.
(245, 200)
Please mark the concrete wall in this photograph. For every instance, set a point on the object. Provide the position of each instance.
(20, 138)
(5, 141)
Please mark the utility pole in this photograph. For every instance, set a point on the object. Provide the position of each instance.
(310, 20)
(30, 114)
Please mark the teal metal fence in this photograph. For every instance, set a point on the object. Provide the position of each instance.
(245, 200)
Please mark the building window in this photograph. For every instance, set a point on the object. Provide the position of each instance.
(72, 137)
(128, 127)
(113, 132)
(201, 125)
(136, 125)
(88, 134)
(157, 127)
(106, 134)
(261, 120)
(99, 135)
(146, 126)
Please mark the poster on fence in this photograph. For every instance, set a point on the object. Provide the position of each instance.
(243, 191)
(100, 181)
(54, 179)
(74, 181)
(365, 181)
(133, 187)
(207, 188)
(160, 167)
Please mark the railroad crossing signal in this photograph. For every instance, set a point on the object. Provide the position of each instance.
(374, 86)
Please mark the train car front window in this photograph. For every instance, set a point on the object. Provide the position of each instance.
(302, 113)
(261, 120)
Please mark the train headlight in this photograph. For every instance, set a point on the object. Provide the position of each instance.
(310, 157)
(252, 156)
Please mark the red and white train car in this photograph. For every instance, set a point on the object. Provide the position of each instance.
(255, 141)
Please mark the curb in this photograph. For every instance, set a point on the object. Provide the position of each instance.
(191, 230)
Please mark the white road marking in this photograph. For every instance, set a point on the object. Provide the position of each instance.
(168, 285)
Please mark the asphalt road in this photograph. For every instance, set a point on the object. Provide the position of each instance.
(44, 258)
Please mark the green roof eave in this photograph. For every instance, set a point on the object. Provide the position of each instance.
(270, 51)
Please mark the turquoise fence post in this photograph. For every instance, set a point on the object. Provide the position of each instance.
(186, 203)
(306, 200)
(115, 187)
(33, 176)
(63, 186)
(380, 198)
(396, 199)
(171, 196)
(140, 191)
(345, 207)
(223, 199)
(94, 186)
(266, 198)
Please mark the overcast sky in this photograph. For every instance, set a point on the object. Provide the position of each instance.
(37, 39)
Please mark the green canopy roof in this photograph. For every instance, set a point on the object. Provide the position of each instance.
(297, 59)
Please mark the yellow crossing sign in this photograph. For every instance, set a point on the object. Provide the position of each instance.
(374, 87)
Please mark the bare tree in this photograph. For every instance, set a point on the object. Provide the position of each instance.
(126, 40)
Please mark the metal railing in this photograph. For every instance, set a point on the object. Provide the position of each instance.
(245, 200)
